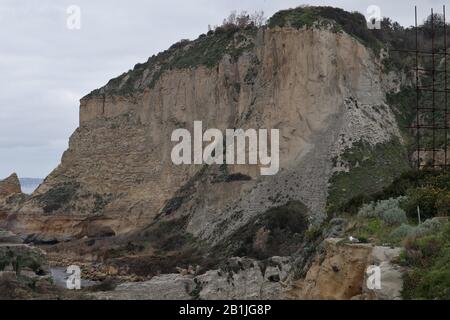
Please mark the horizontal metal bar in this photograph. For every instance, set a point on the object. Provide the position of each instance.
(430, 70)
(444, 53)
(427, 127)
(432, 90)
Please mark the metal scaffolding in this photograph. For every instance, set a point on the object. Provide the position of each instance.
(431, 154)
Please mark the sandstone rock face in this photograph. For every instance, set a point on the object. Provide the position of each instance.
(324, 91)
(10, 186)
(340, 273)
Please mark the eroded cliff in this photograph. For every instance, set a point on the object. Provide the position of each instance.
(324, 91)
(321, 85)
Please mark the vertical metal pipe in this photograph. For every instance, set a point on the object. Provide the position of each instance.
(417, 92)
(446, 93)
(433, 111)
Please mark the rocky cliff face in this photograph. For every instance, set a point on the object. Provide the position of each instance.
(10, 186)
(119, 207)
(338, 273)
(324, 90)
(9, 189)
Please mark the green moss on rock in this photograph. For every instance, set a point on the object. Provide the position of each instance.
(58, 196)
(205, 51)
(371, 169)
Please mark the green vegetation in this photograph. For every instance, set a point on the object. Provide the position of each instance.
(431, 200)
(389, 217)
(206, 51)
(428, 257)
(371, 169)
(277, 232)
(58, 196)
(20, 258)
(71, 196)
(237, 35)
(162, 247)
(388, 211)
(381, 222)
(403, 104)
(353, 23)
(426, 253)
(169, 235)
(415, 185)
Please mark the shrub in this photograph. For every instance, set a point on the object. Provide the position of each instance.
(435, 284)
(278, 231)
(236, 21)
(403, 231)
(386, 210)
(168, 235)
(371, 169)
(428, 258)
(58, 196)
(440, 179)
(443, 204)
(354, 204)
(394, 216)
(428, 227)
(423, 197)
(367, 211)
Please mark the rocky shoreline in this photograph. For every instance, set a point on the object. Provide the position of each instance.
(338, 272)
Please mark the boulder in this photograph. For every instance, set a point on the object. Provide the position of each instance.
(244, 278)
(22, 257)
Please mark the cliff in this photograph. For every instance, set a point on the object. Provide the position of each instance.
(323, 88)
(343, 204)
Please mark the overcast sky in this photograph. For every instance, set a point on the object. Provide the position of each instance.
(46, 68)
